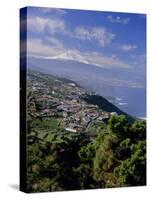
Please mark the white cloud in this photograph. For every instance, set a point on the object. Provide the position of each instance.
(54, 42)
(55, 11)
(36, 47)
(118, 20)
(128, 47)
(99, 34)
(57, 25)
(55, 50)
(101, 60)
(41, 24)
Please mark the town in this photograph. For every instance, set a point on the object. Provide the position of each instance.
(63, 99)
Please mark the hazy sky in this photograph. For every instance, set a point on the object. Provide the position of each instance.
(104, 39)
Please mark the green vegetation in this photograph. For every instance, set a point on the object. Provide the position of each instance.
(96, 127)
(115, 157)
(120, 159)
(104, 151)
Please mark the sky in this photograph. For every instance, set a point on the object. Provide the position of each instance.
(104, 39)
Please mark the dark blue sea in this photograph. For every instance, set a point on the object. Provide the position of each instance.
(130, 100)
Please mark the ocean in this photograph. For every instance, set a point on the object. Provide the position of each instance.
(130, 100)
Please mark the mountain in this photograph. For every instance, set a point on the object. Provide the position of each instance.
(74, 67)
(69, 55)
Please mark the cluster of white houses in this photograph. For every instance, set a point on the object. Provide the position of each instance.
(65, 101)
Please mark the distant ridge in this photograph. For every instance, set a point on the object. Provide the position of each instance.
(105, 105)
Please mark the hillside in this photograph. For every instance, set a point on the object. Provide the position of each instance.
(73, 107)
(104, 104)
(78, 140)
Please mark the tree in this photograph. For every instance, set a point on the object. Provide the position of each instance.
(52, 162)
(132, 171)
(104, 162)
(120, 159)
(118, 125)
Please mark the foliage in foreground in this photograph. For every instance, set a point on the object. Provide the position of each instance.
(115, 157)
